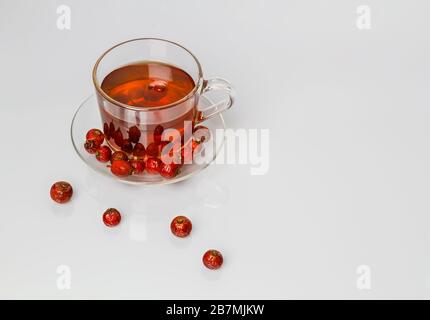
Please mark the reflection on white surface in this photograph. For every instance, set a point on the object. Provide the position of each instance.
(137, 229)
(213, 194)
(193, 193)
(63, 210)
(211, 275)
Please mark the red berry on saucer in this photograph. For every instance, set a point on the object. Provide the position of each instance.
(61, 191)
(90, 147)
(153, 165)
(181, 226)
(121, 168)
(119, 155)
(103, 154)
(153, 150)
(137, 166)
(111, 217)
(213, 259)
(134, 134)
(96, 136)
(169, 170)
(139, 151)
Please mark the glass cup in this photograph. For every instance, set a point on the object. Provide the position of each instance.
(120, 117)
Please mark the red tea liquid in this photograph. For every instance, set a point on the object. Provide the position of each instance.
(146, 85)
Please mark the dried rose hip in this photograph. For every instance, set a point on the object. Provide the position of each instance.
(118, 138)
(139, 151)
(157, 149)
(119, 155)
(158, 133)
(111, 217)
(121, 168)
(103, 154)
(201, 134)
(153, 150)
(169, 170)
(213, 259)
(111, 130)
(181, 226)
(153, 165)
(134, 134)
(95, 136)
(61, 191)
(155, 90)
(90, 147)
(127, 146)
(106, 131)
(137, 166)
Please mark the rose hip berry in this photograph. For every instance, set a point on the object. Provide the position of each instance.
(158, 133)
(118, 138)
(127, 146)
(103, 154)
(134, 134)
(121, 168)
(169, 170)
(155, 90)
(90, 147)
(137, 166)
(139, 151)
(111, 130)
(153, 165)
(61, 191)
(153, 150)
(119, 155)
(181, 226)
(213, 259)
(111, 217)
(95, 136)
(106, 131)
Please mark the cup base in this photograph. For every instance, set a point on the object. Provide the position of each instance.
(87, 117)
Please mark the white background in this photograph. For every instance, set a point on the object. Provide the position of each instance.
(348, 185)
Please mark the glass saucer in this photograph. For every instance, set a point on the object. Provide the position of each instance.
(87, 117)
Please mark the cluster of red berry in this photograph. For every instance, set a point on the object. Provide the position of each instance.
(181, 226)
(134, 158)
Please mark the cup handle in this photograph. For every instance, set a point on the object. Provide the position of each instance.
(216, 84)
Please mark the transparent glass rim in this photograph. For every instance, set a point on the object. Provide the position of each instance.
(126, 106)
